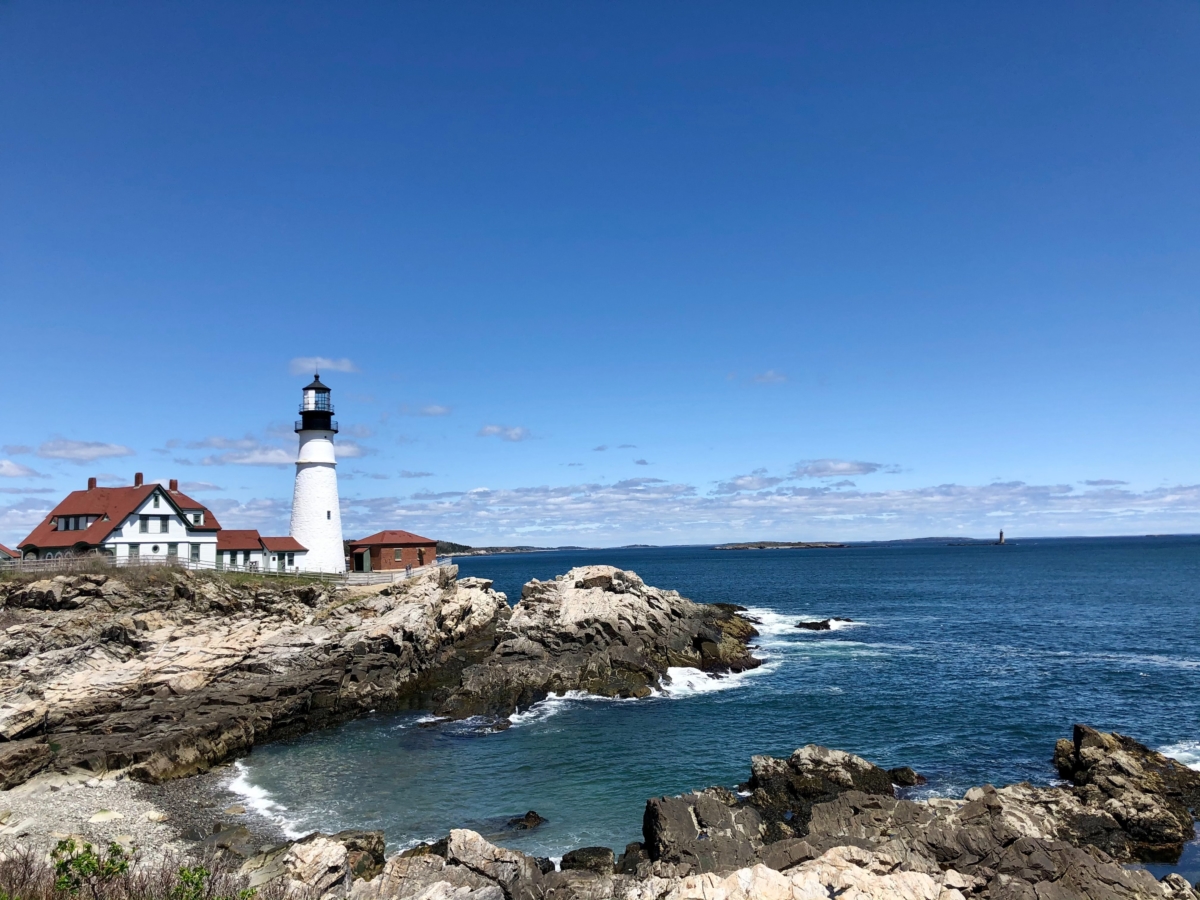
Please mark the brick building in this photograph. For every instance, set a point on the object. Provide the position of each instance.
(391, 550)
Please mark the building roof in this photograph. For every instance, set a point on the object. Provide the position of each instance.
(5, 551)
(283, 544)
(392, 539)
(238, 539)
(317, 385)
(111, 506)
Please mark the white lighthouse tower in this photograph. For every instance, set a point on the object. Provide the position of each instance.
(316, 515)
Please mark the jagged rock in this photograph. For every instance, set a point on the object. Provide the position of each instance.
(600, 860)
(821, 624)
(903, 776)
(191, 670)
(706, 831)
(1152, 797)
(601, 630)
(526, 822)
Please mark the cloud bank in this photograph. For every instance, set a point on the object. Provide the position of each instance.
(307, 365)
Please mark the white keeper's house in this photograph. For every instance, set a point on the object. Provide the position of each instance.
(149, 521)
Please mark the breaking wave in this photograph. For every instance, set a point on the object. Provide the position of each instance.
(260, 801)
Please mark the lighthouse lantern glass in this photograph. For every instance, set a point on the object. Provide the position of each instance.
(317, 400)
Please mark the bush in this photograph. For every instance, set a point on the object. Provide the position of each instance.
(81, 872)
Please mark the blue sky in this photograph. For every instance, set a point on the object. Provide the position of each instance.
(804, 271)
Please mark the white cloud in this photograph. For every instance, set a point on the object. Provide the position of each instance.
(347, 449)
(434, 409)
(80, 451)
(258, 456)
(653, 510)
(404, 473)
(307, 365)
(223, 443)
(1104, 482)
(10, 469)
(16, 449)
(771, 376)
(505, 432)
(758, 480)
(196, 487)
(833, 468)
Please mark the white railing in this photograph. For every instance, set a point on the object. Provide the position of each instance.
(91, 562)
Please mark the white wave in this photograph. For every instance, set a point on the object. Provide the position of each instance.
(683, 682)
(556, 703)
(260, 801)
(1186, 752)
(767, 622)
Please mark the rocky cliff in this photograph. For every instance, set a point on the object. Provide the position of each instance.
(188, 669)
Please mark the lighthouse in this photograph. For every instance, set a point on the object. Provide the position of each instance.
(316, 515)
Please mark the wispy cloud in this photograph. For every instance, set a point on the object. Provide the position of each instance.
(223, 443)
(771, 376)
(428, 410)
(627, 447)
(198, 487)
(347, 449)
(10, 469)
(1104, 482)
(404, 473)
(665, 512)
(758, 480)
(256, 456)
(80, 451)
(307, 365)
(600, 449)
(835, 468)
(359, 431)
(640, 462)
(505, 432)
(27, 490)
(17, 449)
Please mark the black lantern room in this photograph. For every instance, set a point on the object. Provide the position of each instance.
(316, 409)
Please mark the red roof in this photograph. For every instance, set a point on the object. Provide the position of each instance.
(115, 503)
(283, 544)
(12, 554)
(393, 539)
(234, 539)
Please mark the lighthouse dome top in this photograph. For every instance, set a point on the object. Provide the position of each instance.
(317, 385)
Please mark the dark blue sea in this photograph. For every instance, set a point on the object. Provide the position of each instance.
(964, 662)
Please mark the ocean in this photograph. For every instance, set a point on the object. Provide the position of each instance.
(964, 662)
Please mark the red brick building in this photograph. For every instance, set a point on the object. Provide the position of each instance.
(391, 550)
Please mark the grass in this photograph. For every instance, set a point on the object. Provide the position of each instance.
(141, 578)
(84, 872)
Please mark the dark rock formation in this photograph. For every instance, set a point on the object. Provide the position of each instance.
(523, 823)
(600, 860)
(601, 630)
(821, 624)
(903, 776)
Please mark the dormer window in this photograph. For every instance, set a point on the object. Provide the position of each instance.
(156, 501)
(197, 518)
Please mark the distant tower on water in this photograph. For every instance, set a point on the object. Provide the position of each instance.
(1001, 541)
(316, 515)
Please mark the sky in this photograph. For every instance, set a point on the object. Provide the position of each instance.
(600, 273)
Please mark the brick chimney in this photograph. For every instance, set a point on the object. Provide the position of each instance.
(174, 486)
(137, 479)
(91, 484)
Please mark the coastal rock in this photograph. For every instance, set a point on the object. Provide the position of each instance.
(600, 860)
(190, 669)
(903, 776)
(821, 624)
(526, 822)
(600, 630)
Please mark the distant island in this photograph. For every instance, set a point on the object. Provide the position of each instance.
(449, 548)
(781, 545)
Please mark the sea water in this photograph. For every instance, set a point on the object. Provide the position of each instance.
(964, 662)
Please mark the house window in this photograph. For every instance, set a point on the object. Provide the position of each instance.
(156, 501)
(134, 551)
(328, 514)
(195, 553)
(164, 524)
(195, 518)
(143, 524)
(291, 559)
(173, 551)
(399, 555)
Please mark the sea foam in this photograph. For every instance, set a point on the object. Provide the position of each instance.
(260, 801)
(1186, 752)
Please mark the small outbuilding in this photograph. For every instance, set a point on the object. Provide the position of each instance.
(386, 550)
(6, 553)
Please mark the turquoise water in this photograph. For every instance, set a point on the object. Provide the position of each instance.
(966, 663)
